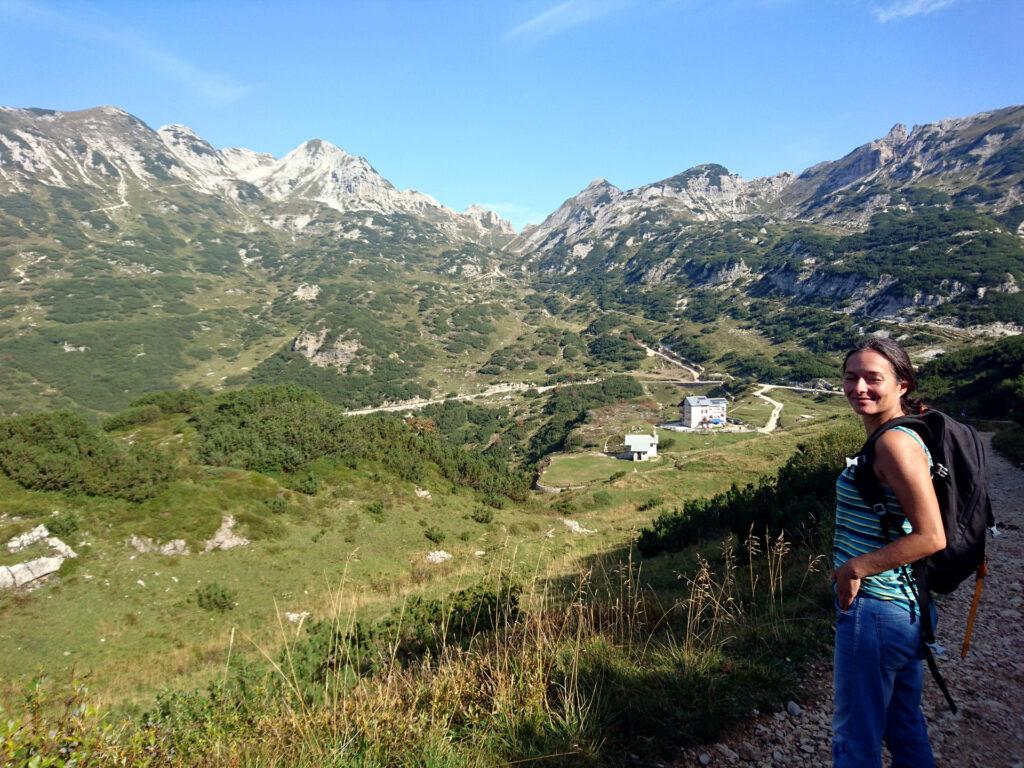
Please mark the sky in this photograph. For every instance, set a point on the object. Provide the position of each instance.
(519, 105)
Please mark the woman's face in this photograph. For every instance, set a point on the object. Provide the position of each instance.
(871, 386)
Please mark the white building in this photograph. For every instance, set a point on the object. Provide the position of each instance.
(700, 412)
(642, 447)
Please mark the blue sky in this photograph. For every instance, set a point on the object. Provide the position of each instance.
(518, 105)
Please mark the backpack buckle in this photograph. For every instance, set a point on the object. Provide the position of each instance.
(881, 510)
(941, 471)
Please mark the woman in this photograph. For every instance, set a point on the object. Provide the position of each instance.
(878, 670)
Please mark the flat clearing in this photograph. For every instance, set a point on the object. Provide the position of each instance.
(573, 469)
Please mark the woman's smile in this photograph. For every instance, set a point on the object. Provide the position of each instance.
(871, 386)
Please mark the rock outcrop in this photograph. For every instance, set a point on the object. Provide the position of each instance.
(225, 537)
(32, 571)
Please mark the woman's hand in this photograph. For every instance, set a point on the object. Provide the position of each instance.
(847, 584)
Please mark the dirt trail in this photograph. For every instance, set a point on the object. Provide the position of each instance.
(773, 420)
(667, 354)
(988, 732)
(491, 391)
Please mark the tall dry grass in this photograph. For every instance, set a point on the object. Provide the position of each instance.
(585, 674)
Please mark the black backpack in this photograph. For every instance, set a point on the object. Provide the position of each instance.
(960, 481)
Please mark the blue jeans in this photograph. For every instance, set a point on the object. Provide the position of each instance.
(878, 679)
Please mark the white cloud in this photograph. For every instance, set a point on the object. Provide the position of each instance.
(209, 84)
(904, 9)
(563, 16)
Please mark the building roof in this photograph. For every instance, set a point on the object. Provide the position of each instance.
(700, 401)
(641, 442)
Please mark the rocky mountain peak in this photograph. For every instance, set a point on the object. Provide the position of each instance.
(183, 138)
(897, 134)
(489, 220)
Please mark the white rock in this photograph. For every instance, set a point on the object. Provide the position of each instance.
(575, 527)
(295, 618)
(306, 292)
(174, 547)
(21, 574)
(225, 537)
(142, 544)
(438, 556)
(60, 547)
(422, 493)
(27, 539)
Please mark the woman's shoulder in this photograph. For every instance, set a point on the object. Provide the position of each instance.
(900, 448)
(898, 440)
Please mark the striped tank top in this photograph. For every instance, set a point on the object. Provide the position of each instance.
(859, 530)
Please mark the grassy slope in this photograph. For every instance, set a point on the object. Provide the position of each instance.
(326, 554)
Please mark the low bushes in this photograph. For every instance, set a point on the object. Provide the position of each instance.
(215, 597)
(61, 451)
(285, 428)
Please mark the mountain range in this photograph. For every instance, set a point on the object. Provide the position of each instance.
(134, 259)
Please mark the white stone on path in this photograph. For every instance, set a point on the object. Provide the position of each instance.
(726, 752)
(438, 556)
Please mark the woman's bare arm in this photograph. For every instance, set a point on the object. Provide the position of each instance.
(901, 464)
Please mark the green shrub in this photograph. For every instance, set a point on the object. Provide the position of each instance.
(376, 509)
(63, 525)
(1009, 441)
(494, 500)
(215, 597)
(435, 534)
(482, 515)
(306, 483)
(277, 505)
(132, 417)
(651, 503)
(174, 401)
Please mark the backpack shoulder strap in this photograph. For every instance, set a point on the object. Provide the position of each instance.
(867, 482)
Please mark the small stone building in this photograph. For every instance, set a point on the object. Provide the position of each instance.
(700, 412)
(642, 447)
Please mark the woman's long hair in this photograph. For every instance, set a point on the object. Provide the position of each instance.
(898, 358)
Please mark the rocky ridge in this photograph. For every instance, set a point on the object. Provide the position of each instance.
(949, 156)
(110, 153)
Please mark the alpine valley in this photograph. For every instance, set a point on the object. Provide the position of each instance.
(134, 260)
(301, 469)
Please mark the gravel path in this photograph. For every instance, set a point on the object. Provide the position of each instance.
(988, 685)
(773, 420)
